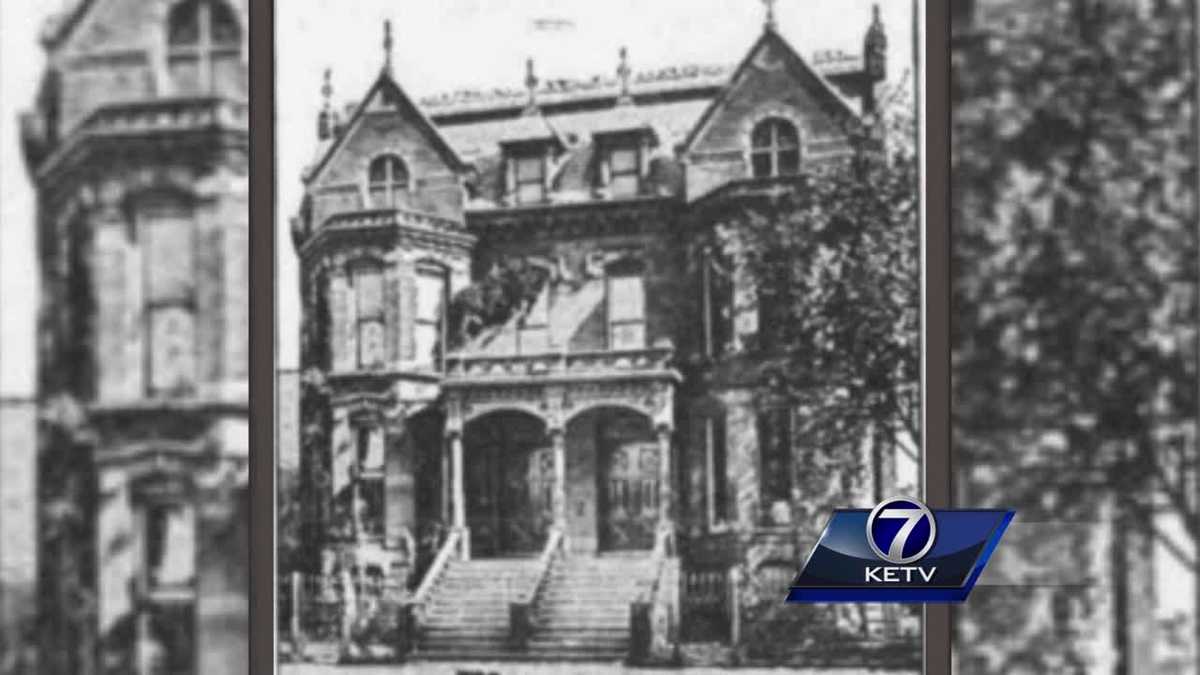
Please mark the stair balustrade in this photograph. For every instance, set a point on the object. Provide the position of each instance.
(652, 616)
(520, 610)
(413, 610)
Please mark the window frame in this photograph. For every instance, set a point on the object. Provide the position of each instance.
(635, 171)
(206, 51)
(434, 269)
(621, 270)
(774, 149)
(781, 414)
(518, 158)
(357, 270)
(150, 213)
(391, 187)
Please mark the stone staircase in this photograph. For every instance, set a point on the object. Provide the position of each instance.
(466, 616)
(583, 611)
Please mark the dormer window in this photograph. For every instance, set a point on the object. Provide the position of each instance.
(387, 180)
(204, 40)
(625, 171)
(530, 178)
(774, 149)
(529, 155)
(622, 156)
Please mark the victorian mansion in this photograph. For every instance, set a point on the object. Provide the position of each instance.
(598, 435)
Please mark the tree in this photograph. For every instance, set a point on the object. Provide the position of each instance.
(828, 264)
(833, 258)
(1075, 254)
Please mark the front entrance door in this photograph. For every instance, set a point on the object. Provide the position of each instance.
(509, 498)
(628, 495)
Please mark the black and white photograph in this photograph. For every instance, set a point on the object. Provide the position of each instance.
(124, 261)
(588, 315)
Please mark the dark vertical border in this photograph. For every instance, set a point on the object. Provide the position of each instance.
(262, 337)
(937, 463)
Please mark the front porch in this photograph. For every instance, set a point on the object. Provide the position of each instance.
(575, 442)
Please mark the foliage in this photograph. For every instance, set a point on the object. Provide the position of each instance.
(511, 285)
(835, 261)
(1075, 257)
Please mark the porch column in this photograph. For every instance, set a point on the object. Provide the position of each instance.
(665, 495)
(558, 442)
(456, 481)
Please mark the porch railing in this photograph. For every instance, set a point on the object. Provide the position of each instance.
(653, 616)
(520, 610)
(414, 610)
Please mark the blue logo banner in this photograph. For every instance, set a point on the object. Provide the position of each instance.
(900, 551)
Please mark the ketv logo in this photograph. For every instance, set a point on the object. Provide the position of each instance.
(900, 551)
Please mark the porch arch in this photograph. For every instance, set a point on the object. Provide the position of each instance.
(509, 481)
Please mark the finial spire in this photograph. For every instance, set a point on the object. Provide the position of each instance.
(770, 20)
(387, 46)
(325, 117)
(531, 83)
(623, 72)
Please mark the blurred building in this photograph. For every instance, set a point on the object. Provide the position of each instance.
(18, 531)
(620, 407)
(1081, 589)
(137, 145)
(287, 422)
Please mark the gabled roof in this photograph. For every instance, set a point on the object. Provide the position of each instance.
(385, 80)
(794, 62)
(59, 25)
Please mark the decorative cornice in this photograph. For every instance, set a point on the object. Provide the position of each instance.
(566, 221)
(160, 118)
(465, 371)
(407, 227)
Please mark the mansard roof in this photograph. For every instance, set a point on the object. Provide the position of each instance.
(668, 105)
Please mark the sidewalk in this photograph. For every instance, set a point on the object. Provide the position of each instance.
(544, 668)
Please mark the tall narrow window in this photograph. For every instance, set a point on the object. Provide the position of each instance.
(717, 482)
(429, 323)
(716, 288)
(204, 40)
(387, 181)
(530, 179)
(625, 171)
(774, 149)
(168, 249)
(775, 447)
(368, 297)
(168, 538)
(776, 301)
(369, 516)
(626, 307)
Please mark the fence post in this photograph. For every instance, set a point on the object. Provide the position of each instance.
(735, 609)
(294, 620)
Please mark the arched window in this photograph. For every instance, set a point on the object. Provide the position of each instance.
(387, 179)
(204, 40)
(774, 148)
